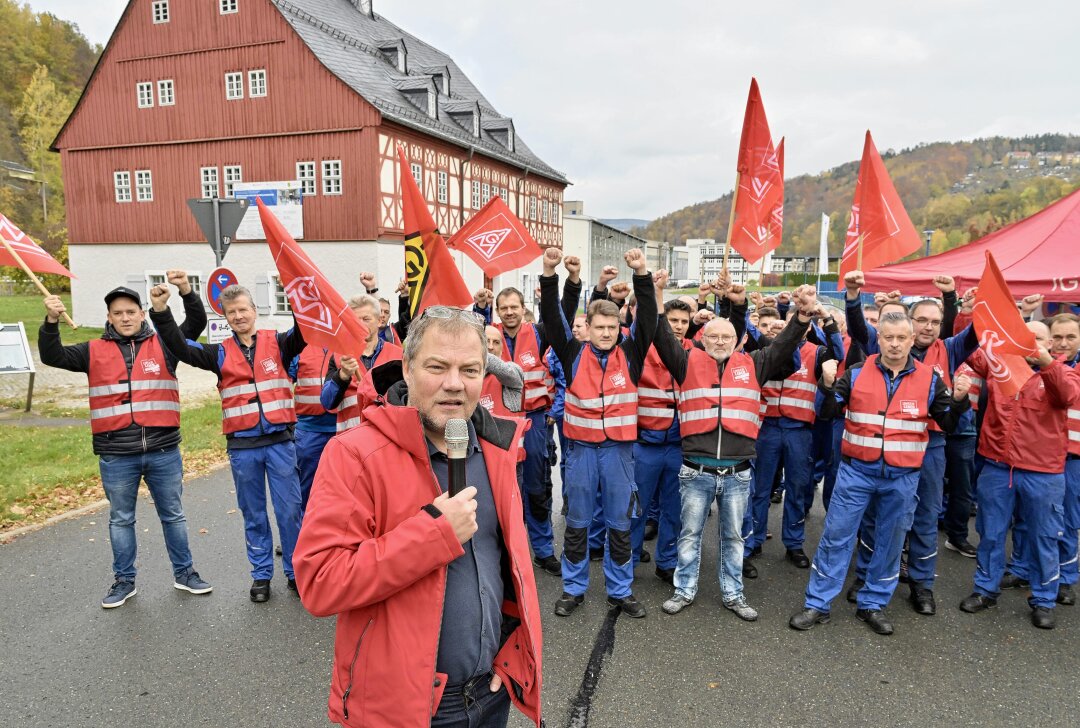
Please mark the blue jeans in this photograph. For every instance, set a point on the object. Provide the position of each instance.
(480, 709)
(164, 474)
(697, 491)
(309, 447)
(252, 470)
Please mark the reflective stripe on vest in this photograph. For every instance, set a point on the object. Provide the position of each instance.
(491, 400)
(148, 395)
(937, 358)
(349, 409)
(539, 384)
(708, 400)
(311, 369)
(1074, 431)
(657, 394)
(245, 386)
(601, 404)
(897, 428)
(794, 397)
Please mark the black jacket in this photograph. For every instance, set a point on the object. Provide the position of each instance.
(133, 439)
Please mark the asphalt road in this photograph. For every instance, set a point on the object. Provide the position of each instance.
(169, 658)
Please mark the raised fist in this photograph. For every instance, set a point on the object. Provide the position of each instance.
(54, 308)
(660, 279)
(828, 372)
(402, 288)
(607, 274)
(483, 298)
(737, 294)
(179, 279)
(347, 368)
(572, 263)
(769, 301)
(783, 298)
(961, 387)
(945, 284)
(620, 291)
(367, 280)
(854, 282)
(704, 290)
(636, 260)
(1029, 304)
(159, 296)
(703, 317)
(552, 257)
(805, 299)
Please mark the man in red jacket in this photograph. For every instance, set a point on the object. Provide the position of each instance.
(438, 619)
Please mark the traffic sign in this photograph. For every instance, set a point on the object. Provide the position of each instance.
(219, 219)
(219, 280)
(218, 331)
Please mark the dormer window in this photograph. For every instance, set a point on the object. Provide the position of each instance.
(395, 54)
(501, 131)
(441, 76)
(465, 114)
(420, 91)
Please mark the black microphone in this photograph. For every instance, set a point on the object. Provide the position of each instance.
(457, 448)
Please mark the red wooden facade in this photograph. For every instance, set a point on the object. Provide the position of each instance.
(307, 115)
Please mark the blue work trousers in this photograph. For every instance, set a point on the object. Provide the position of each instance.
(656, 472)
(959, 475)
(536, 487)
(834, 462)
(792, 449)
(609, 468)
(859, 485)
(1037, 499)
(163, 471)
(252, 469)
(309, 447)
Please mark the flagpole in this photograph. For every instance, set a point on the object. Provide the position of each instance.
(858, 254)
(731, 220)
(37, 282)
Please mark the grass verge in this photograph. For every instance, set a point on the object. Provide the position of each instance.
(31, 312)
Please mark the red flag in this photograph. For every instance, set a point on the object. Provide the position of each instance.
(761, 184)
(878, 217)
(1003, 336)
(321, 313)
(430, 272)
(776, 218)
(31, 253)
(495, 239)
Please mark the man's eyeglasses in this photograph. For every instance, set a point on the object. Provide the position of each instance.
(921, 321)
(447, 312)
(717, 338)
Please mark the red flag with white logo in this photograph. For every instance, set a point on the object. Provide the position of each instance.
(878, 219)
(31, 253)
(322, 314)
(430, 271)
(495, 239)
(776, 217)
(1003, 336)
(761, 184)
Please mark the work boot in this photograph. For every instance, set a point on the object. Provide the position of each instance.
(676, 604)
(798, 557)
(904, 577)
(646, 557)
(650, 530)
(876, 619)
(1012, 581)
(749, 571)
(922, 599)
(976, 602)
(1043, 617)
(667, 575)
(596, 554)
(567, 603)
(291, 584)
(260, 590)
(119, 593)
(807, 618)
(853, 590)
(629, 604)
(1066, 595)
(549, 565)
(743, 610)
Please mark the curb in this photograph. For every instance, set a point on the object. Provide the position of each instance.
(10, 536)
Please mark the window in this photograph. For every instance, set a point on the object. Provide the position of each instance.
(532, 208)
(234, 86)
(544, 211)
(195, 279)
(144, 186)
(331, 177)
(476, 195)
(279, 304)
(154, 279)
(160, 11)
(165, 93)
(257, 83)
(228, 6)
(505, 195)
(442, 187)
(122, 186)
(209, 179)
(233, 174)
(305, 175)
(485, 193)
(417, 174)
(145, 94)
(554, 214)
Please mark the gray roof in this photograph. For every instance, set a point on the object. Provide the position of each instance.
(347, 42)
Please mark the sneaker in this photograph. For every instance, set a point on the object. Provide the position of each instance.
(676, 604)
(260, 590)
(629, 605)
(962, 547)
(567, 603)
(549, 565)
(743, 610)
(119, 593)
(192, 582)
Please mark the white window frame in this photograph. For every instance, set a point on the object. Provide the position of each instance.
(209, 181)
(159, 11)
(505, 195)
(257, 83)
(234, 85)
(443, 186)
(230, 175)
(279, 300)
(153, 278)
(228, 7)
(144, 190)
(544, 211)
(144, 94)
(476, 194)
(195, 278)
(331, 177)
(163, 86)
(485, 193)
(308, 184)
(417, 170)
(532, 209)
(122, 186)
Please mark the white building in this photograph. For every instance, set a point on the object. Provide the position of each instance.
(597, 244)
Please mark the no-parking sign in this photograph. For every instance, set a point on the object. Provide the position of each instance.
(219, 280)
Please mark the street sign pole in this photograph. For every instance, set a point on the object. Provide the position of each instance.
(218, 219)
(218, 253)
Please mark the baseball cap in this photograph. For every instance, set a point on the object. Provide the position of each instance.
(122, 292)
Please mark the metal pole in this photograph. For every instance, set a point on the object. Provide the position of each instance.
(929, 236)
(217, 232)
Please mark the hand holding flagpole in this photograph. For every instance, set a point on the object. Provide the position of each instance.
(37, 281)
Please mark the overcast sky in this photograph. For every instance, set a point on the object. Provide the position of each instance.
(640, 103)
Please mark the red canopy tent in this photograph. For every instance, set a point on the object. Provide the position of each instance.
(1040, 254)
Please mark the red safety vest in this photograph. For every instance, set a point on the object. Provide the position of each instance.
(601, 404)
(1074, 422)
(937, 357)
(734, 398)
(310, 375)
(896, 429)
(348, 412)
(491, 399)
(794, 397)
(148, 396)
(658, 394)
(393, 335)
(539, 384)
(246, 388)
